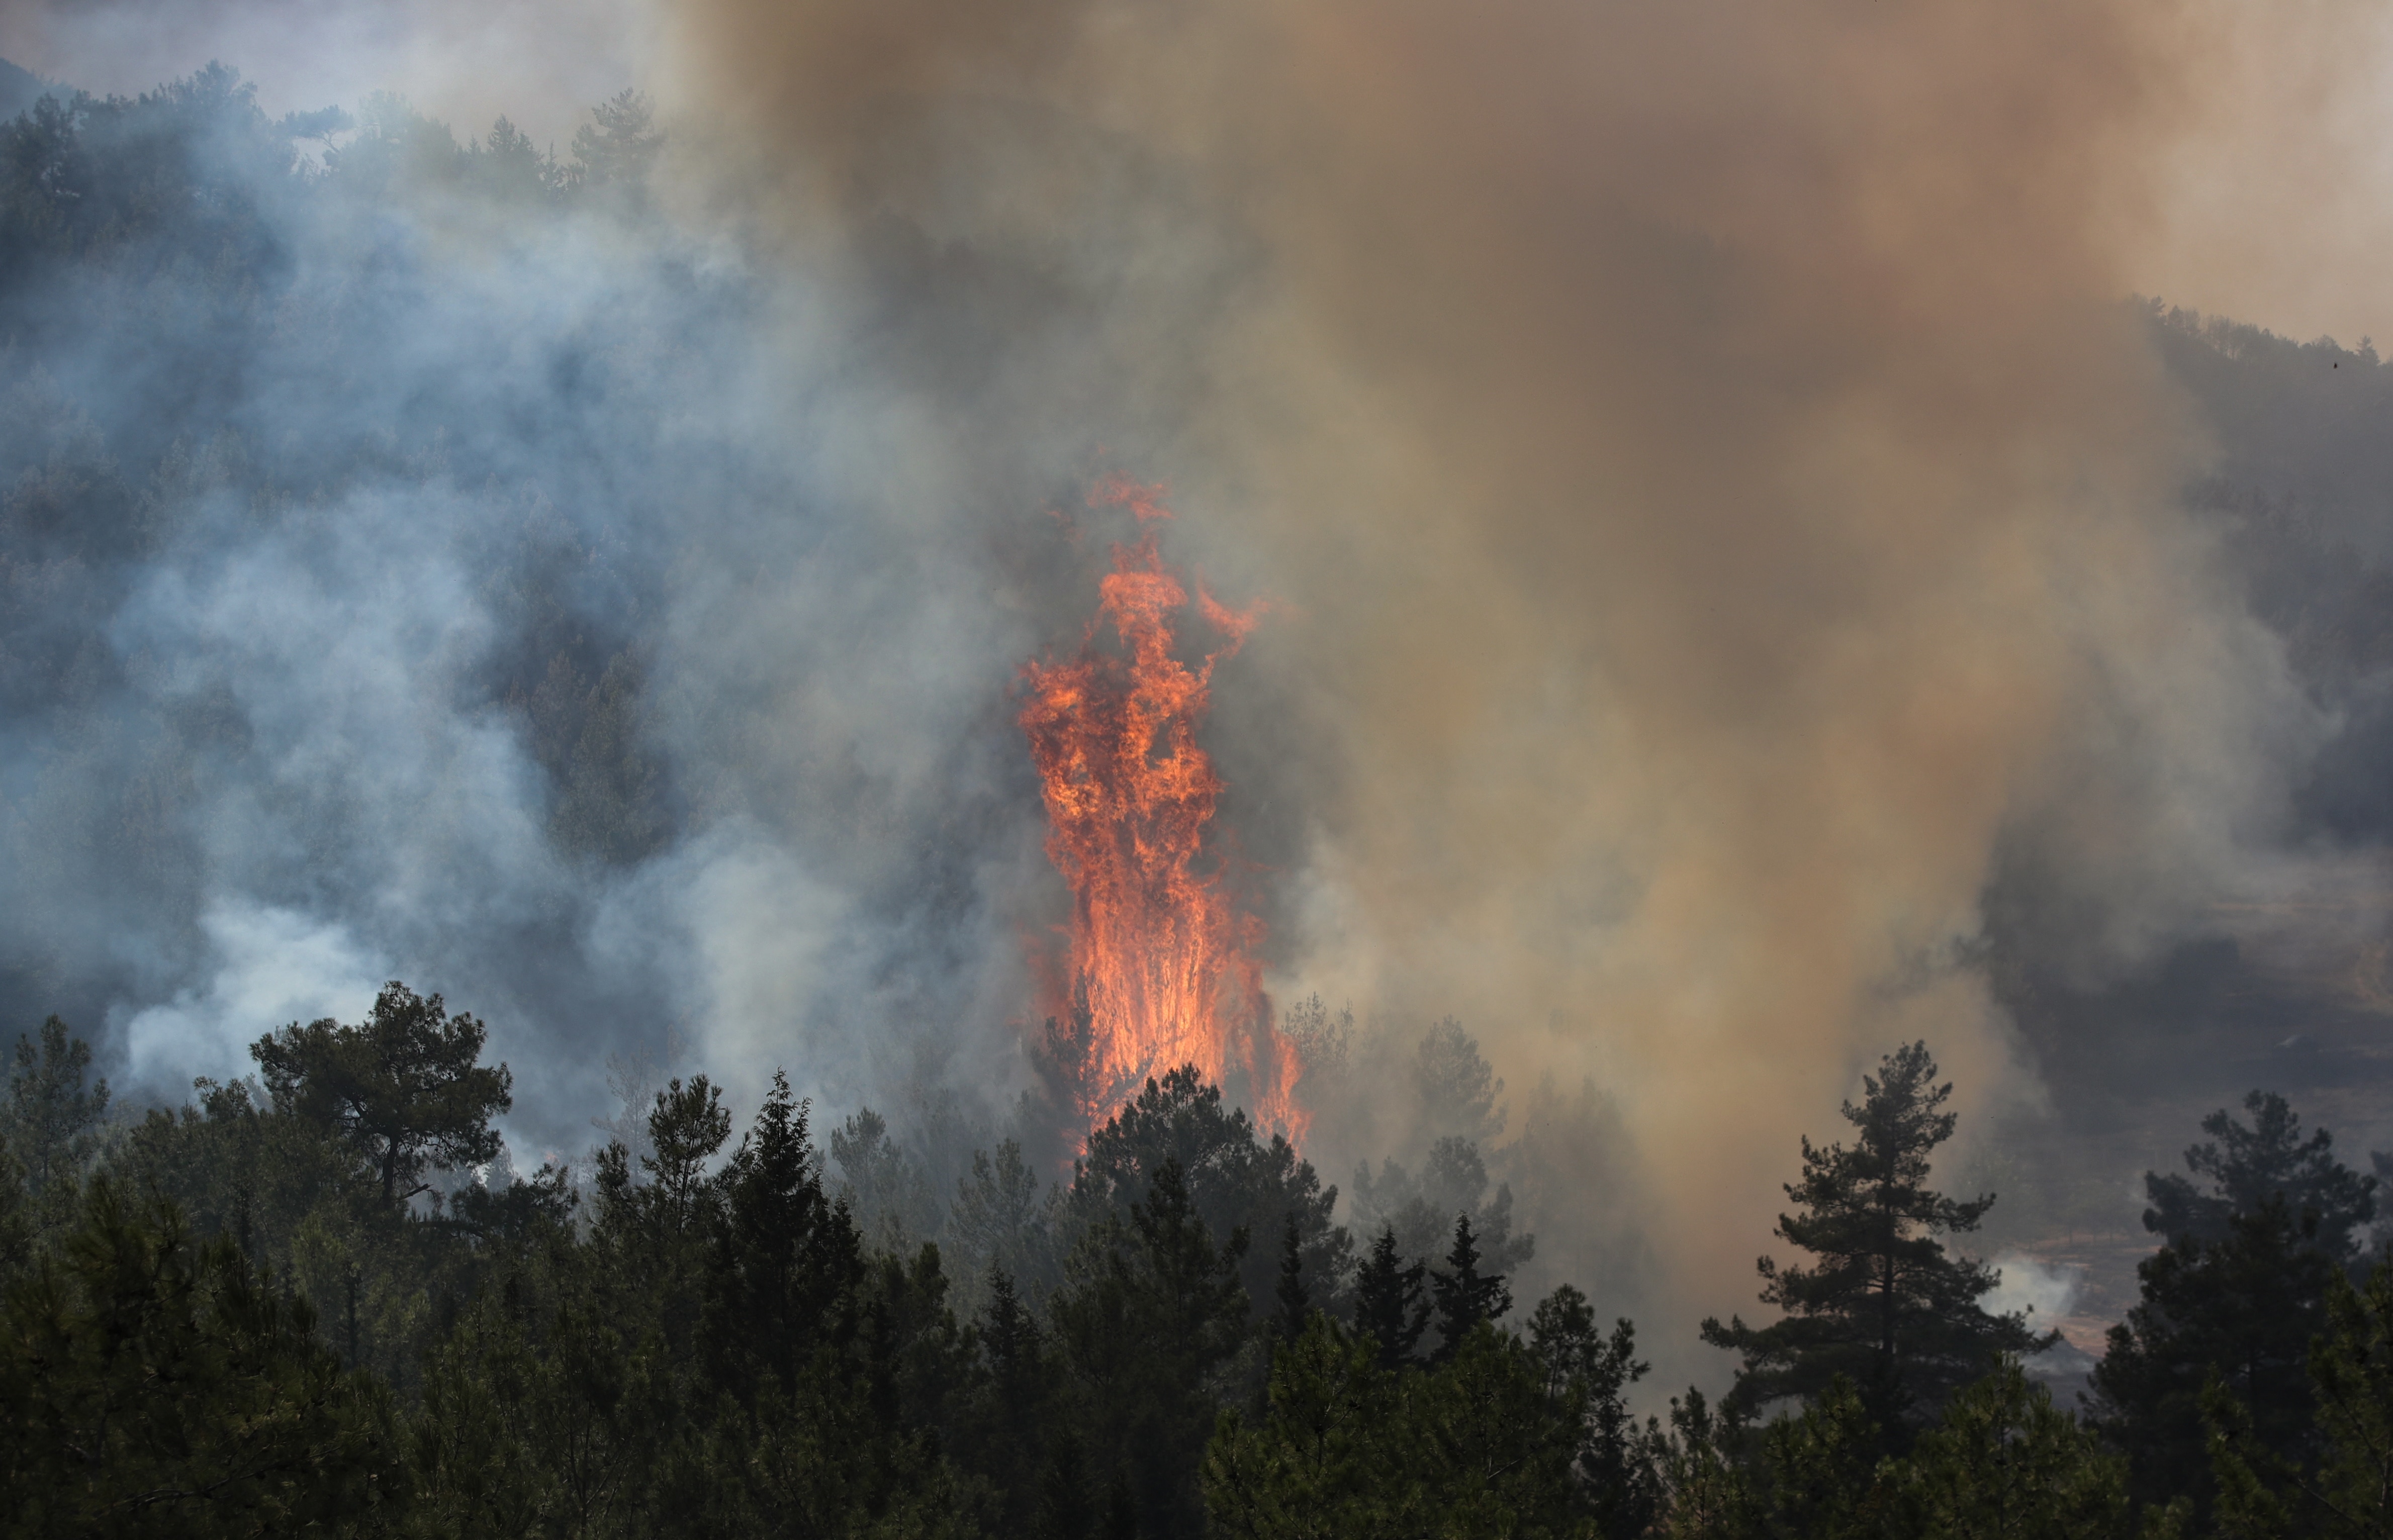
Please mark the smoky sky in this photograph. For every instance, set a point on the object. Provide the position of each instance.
(1721, 490)
(1717, 507)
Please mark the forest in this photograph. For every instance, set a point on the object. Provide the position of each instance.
(314, 1296)
(302, 1303)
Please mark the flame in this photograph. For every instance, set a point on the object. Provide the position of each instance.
(1157, 965)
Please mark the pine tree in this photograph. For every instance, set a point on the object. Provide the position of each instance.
(2350, 1491)
(1006, 1434)
(405, 1088)
(2005, 1460)
(2264, 1221)
(52, 1117)
(2243, 1309)
(783, 1256)
(1464, 1297)
(1589, 1373)
(1152, 1309)
(1295, 1304)
(149, 1386)
(1886, 1305)
(1391, 1304)
(620, 142)
(2244, 1167)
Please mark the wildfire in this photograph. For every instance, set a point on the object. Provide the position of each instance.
(1157, 966)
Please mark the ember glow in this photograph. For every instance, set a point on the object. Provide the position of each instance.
(1157, 966)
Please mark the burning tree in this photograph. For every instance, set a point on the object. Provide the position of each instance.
(1157, 967)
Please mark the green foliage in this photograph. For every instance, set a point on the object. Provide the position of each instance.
(1345, 1447)
(2254, 1254)
(1151, 1320)
(2001, 1461)
(1329, 1456)
(1294, 1299)
(715, 1350)
(2347, 1494)
(1886, 1306)
(2243, 1309)
(16, 1229)
(1592, 1371)
(1701, 1465)
(2005, 1462)
(1827, 1481)
(148, 1386)
(405, 1090)
(2351, 1376)
(1237, 1182)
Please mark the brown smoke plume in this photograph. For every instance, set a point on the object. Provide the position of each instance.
(1715, 483)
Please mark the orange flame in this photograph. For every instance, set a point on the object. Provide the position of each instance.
(1159, 965)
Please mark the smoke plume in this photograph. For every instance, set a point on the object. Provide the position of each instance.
(1718, 492)
(1717, 509)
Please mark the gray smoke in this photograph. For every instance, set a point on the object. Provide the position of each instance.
(1743, 591)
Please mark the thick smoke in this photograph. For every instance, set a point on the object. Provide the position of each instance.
(1718, 508)
(509, 597)
(1717, 490)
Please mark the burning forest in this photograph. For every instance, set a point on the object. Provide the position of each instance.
(637, 904)
(1157, 967)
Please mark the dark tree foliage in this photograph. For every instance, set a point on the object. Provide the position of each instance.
(1464, 1297)
(2003, 1459)
(1008, 1426)
(1824, 1475)
(1392, 1308)
(1295, 1302)
(1478, 1447)
(15, 1224)
(2242, 1310)
(152, 1386)
(717, 1351)
(1152, 1312)
(1592, 1371)
(1238, 1182)
(1886, 1305)
(2244, 1167)
(404, 1089)
(2265, 1221)
(53, 1117)
(783, 1256)
(2348, 1493)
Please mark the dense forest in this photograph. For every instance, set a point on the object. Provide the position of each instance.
(315, 1295)
(305, 1301)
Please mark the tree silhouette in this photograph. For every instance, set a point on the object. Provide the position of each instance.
(1885, 1305)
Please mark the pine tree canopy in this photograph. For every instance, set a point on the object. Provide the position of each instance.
(404, 1089)
(1884, 1304)
(2244, 1167)
(1391, 1303)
